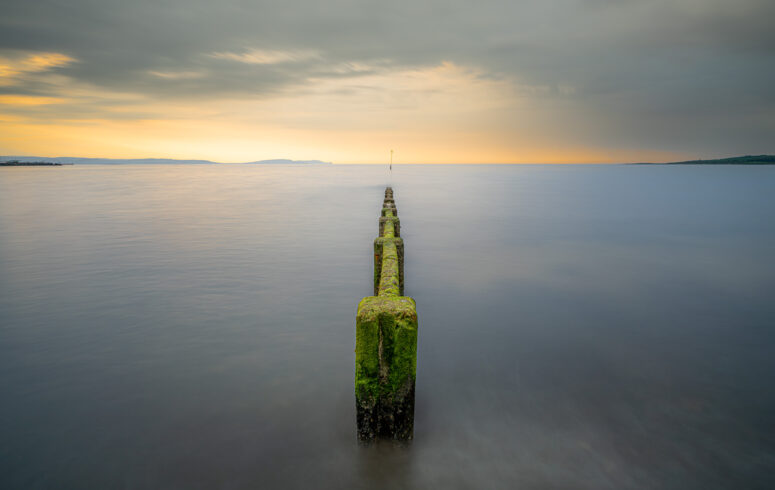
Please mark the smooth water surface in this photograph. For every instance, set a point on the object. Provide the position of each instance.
(581, 327)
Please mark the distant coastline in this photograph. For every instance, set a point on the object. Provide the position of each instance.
(34, 160)
(16, 163)
(744, 160)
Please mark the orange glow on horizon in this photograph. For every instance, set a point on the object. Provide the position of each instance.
(439, 114)
(227, 143)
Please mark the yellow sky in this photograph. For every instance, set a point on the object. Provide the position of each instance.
(440, 114)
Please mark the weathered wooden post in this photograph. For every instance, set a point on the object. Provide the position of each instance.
(386, 341)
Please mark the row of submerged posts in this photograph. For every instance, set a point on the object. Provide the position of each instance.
(386, 341)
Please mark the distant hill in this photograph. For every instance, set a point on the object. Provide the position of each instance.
(284, 161)
(149, 161)
(746, 160)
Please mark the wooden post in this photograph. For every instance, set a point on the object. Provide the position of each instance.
(386, 341)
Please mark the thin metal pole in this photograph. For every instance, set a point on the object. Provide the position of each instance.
(391, 167)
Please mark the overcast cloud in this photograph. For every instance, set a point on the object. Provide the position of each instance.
(684, 76)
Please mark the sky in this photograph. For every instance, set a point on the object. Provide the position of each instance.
(449, 81)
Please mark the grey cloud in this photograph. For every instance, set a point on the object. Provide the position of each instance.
(634, 66)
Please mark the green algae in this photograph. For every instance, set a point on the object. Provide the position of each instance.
(379, 244)
(386, 325)
(389, 284)
(396, 225)
(389, 230)
(386, 340)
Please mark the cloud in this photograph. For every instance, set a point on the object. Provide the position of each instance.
(688, 76)
(177, 75)
(45, 61)
(266, 57)
(28, 100)
(14, 69)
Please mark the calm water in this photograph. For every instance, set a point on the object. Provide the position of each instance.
(581, 327)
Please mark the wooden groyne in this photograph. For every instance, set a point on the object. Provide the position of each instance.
(386, 340)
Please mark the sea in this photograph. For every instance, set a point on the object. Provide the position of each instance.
(580, 326)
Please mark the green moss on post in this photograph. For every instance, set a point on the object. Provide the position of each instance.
(386, 342)
(379, 244)
(385, 367)
(396, 225)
